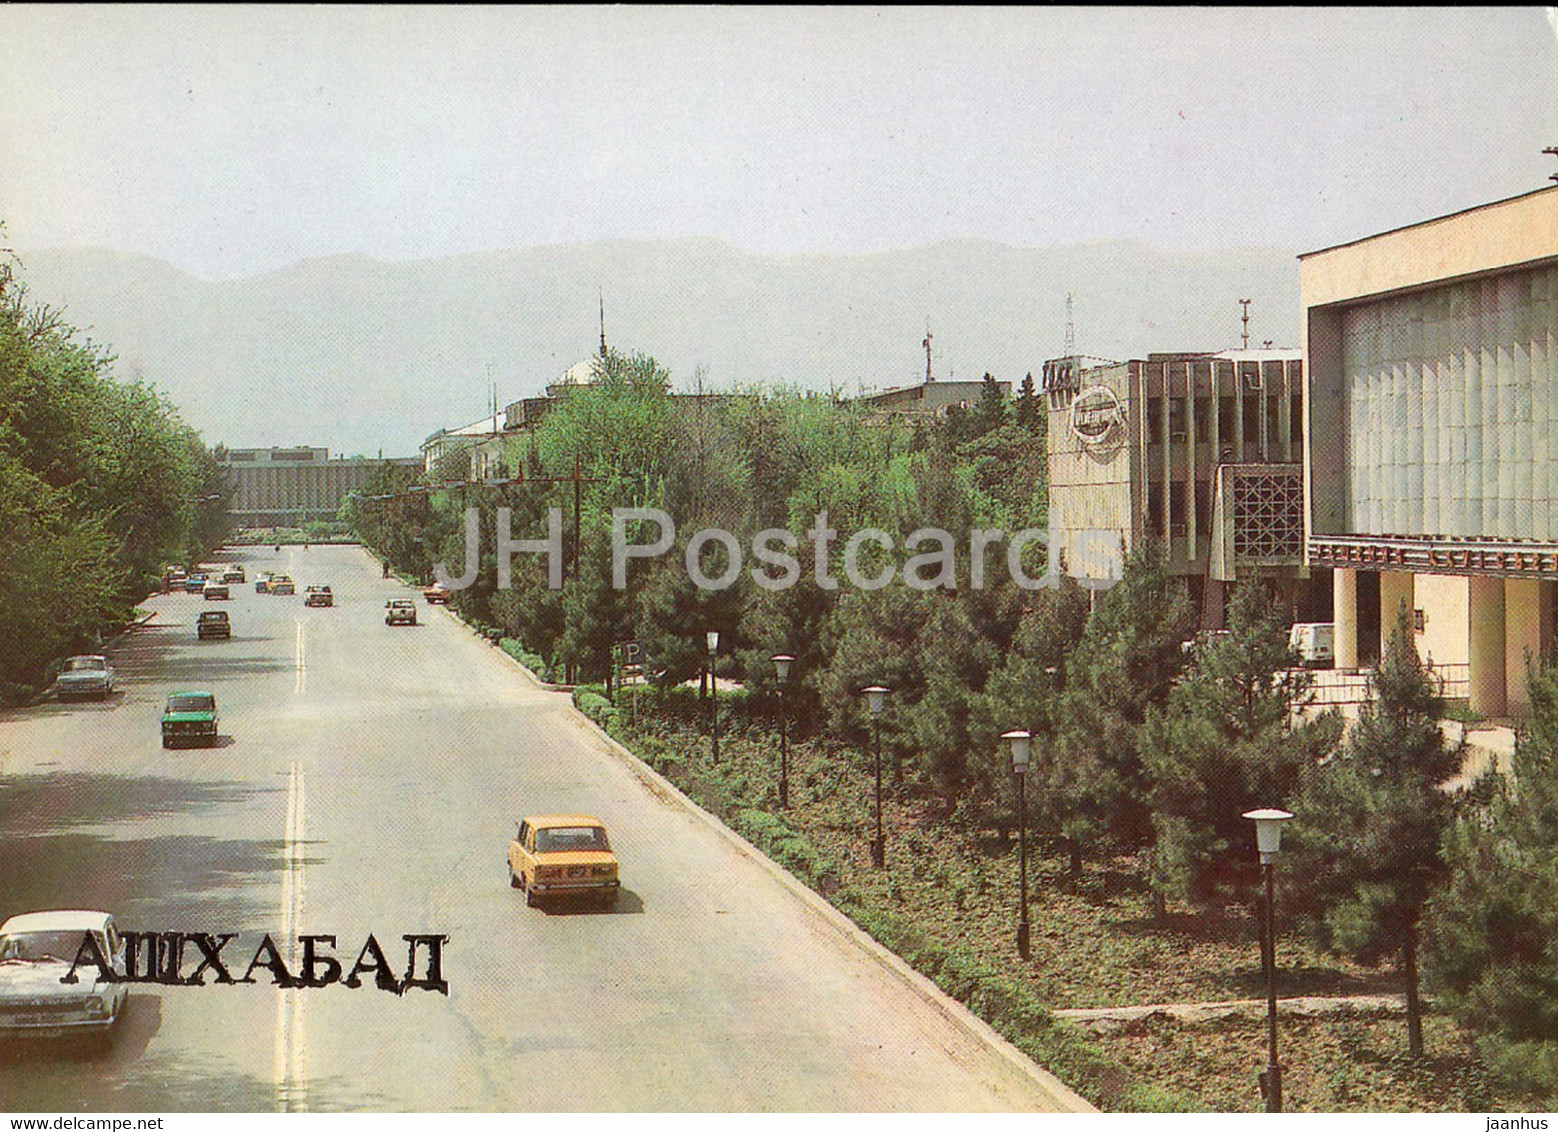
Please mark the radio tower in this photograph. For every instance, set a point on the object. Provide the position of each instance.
(1071, 330)
(926, 344)
(1245, 303)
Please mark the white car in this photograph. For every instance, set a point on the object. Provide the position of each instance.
(85, 676)
(37, 949)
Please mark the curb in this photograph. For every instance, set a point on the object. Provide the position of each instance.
(1066, 1098)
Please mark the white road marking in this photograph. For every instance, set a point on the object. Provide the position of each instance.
(300, 657)
(290, 1065)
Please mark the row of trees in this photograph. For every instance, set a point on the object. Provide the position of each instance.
(1141, 745)
(101, 484)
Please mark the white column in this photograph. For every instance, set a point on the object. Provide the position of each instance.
(1344, 613)
(1522, 637)
(1395, 590)
(1487, 646)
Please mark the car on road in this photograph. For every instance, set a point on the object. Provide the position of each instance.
(37, 950)
(262, 583)
(213, 623)
(189, 717)
(436, 594)
(195, 583)
(173, 579)
(559, 855)
(400, 611)
(85, 676)
(318, 595)
(217, 591)
(281, 584)
(234, 576)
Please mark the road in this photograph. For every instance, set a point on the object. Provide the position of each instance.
(367, 782)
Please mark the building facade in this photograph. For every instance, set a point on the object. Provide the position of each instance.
(1432, 459)
(280, 487)
(1200, 451)
(929, 398)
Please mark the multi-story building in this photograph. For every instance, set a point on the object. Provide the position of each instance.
(274, 487)
(1432, 454)
(1201, 451)
(929, 398)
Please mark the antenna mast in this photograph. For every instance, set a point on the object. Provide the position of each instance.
(602, 295)
(926, 344)
(1245, 303)
(1071, 330)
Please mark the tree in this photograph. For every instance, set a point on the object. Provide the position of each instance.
(1030, 410)
(1126, 662)
(1374, 820)
(1226, 743)
(1491, 933)
(990, 411)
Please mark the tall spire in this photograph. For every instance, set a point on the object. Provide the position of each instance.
(602, 294)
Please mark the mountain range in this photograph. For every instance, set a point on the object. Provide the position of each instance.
(363, 355)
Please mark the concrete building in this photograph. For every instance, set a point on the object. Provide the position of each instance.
(1201, 451)
(279, 487)
(1431, 458)
(476, 440)
(929, 398)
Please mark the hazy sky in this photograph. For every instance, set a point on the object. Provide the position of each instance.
(233, 140)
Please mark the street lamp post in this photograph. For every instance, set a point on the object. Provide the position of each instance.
(876, 697)
(1018, 742)
(712, 639)
(782, 671)
(1268, 839)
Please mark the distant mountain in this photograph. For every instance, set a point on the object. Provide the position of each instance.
(362, 355)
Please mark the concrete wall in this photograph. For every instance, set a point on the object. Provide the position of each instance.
(1446, 631)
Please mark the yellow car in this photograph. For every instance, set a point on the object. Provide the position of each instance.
(563, 855)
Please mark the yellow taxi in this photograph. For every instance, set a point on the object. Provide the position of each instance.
(563, 855)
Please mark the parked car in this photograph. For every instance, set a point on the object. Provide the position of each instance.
(189, 717)
(318, 595)
(400, 611)
(262, 583)
(217, 591)
(281, 584)
(563, 855)
(234, 576)
(213, 623)
(37, 950)
(195, 583)
(1314, 642)
(436, 594)
(85, 676)
(173, 579)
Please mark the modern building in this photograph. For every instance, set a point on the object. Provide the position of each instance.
(1431, 459)
(279, 487)
(1200, 451)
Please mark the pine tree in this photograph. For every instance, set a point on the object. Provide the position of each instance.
(1030, 411)
(1225, 744)
(1372, 821)
(1491, 935)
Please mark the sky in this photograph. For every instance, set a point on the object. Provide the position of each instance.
(230, 141)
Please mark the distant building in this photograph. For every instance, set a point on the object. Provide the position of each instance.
(472, 439)
(1201, 451)
(1432, 455)
(929, 398)
(278, 487)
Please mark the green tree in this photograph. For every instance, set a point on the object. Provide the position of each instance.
(1126, 662)
(1226, 743)
(1030, 410)
(1491, 933)
(1374, 820)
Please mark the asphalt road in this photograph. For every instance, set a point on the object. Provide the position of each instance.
(367, 781)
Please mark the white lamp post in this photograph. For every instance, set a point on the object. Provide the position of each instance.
(876, 699)
(1019, 744)
(782, 664)
(712, 639)
(1268, 839)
